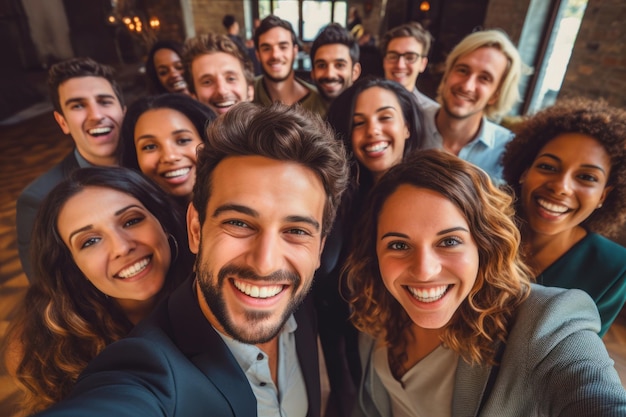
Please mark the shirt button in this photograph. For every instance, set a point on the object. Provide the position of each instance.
(259, 357)
(262, 384)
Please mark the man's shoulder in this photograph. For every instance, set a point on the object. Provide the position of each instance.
(499, 132)
(260, 93)
(42, 185)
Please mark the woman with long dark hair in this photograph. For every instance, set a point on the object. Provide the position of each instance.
(107, 246)
(160, 135)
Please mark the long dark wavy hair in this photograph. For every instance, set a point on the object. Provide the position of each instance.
(340, 118)
(154, 84)
(65, 321)
(503, 280)
(199, 114)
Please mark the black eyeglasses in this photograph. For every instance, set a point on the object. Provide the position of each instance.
(409, 57)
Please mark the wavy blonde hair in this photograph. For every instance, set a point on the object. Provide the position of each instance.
(503, 281)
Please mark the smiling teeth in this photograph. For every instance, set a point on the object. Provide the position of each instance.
(255, 291)
(428, 295)
(225, 103)
(377, 147)
(180, 84)
(99, 131)
(177, 173)
(134, 269)
(555, 208)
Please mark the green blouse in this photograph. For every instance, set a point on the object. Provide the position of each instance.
(597, 266)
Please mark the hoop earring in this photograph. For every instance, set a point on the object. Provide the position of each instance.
(173, 246)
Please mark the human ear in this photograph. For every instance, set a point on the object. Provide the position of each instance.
(194, 228)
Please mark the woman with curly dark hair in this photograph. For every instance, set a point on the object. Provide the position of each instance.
(450, 323)
(164, 68)
(567, 166)
(105, 250)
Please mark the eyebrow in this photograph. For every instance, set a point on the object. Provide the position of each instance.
(90, 226)
(378, 110)
(556, 158)
(79, 99)
(253, 213)
(320, 60)
(442, 232)
(151, 136)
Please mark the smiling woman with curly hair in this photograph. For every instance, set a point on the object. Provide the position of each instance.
(567, 166)
(450, 323)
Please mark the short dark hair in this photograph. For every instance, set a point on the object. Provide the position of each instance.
(271, 22)
(79, 67)
(408, 30)
(280, 132)
(228, 21)
(151, 73)
(210, 43)
(199, 115)
(332, 34)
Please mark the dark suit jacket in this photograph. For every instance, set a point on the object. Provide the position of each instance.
(28, 205)
(175, 364)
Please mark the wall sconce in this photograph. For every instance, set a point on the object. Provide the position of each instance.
(424, 6)
(155, 23)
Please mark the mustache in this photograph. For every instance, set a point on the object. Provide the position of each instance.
(280, 276)
(331, 80)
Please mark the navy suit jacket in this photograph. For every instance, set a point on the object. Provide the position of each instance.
(28, 204)
(175, 364)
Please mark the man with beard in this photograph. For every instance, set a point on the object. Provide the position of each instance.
(218, 72)
(239, 337)
(335, 61)
(480, 81)
(276, 49)
(88, 106)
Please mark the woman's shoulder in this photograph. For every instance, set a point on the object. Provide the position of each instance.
(555, 312)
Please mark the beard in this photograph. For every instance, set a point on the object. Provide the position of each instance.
(259, 326)
(279, 79)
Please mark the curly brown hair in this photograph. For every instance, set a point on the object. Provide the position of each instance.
(503, 281)
(595, 118)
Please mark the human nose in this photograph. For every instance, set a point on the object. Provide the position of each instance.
(221, 87)
(94, 112)
(469, 83)
(265, 256)
(560, 185)
(373, 129)
(425, 265)
(170, 153)
(401, 62)
(121, 244)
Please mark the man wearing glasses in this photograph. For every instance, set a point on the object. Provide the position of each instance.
(405, 56)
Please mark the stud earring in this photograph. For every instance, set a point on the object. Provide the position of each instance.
(600, 205)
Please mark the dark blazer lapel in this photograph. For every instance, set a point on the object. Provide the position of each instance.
(197, 339)
(306, 345)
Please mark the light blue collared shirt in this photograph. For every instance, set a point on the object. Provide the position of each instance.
(289, 399)
(485, 151)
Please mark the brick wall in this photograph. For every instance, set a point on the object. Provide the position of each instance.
(598, 64)
(208, 14)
